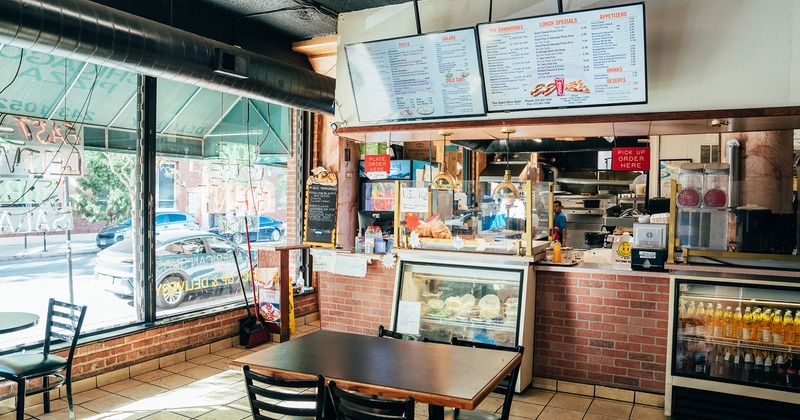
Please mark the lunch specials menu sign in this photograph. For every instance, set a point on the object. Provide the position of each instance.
(425, 76)
(591, 57)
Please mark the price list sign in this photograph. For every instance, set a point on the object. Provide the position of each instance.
(586, 58)
(424, 76)
(320, 215)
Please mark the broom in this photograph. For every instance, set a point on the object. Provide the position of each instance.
(251, 331)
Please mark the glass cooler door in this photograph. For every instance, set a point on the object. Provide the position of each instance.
(440, 301)
(740, 333)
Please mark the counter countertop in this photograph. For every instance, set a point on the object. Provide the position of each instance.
(601, 267)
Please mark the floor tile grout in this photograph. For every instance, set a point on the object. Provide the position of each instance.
(183, 397)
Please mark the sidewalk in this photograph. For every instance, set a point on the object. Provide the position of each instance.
(50, 246)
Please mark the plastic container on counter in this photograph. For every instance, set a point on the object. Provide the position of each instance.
(715, 185)
(691, 180)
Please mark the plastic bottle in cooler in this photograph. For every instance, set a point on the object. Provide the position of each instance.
(747, 325)
(691, 321)
(797, 330)
(701, 328)
(719, 323)
(710, 320)
(749, 367)
(737, 323)
(728, 329)
(789, 332)
(758, 367)
(777, 327)
(738, 365)
(765, 325)
(770, 375)
(727, 359)
(682, 317)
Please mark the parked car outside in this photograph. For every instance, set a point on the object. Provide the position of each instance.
(188, 263)
(269, 229)
(110, 235)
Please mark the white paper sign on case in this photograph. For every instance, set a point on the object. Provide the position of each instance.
(414, 200)
(408, 314)
(351, 266)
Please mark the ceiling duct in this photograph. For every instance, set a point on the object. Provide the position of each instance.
(96, 34)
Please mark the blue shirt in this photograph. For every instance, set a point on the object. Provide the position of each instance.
(560, 222)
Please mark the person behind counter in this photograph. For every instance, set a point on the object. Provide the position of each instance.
(559, 222)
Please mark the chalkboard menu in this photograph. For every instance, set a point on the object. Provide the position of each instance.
(320, 215)
(585, 58)
(434, 75)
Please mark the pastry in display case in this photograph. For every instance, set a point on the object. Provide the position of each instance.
(440, 295)
(737, 337)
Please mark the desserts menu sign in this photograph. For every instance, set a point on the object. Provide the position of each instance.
(425, 76)
(591, 57)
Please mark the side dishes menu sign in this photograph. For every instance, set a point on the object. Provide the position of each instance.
(591, 57)
(425, 76)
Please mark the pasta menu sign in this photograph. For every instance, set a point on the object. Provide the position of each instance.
(434, 75)
(585, 58)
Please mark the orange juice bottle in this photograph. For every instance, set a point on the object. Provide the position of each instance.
(747, 325)
(737, 323)
(691, 314)
(765, 326)
(789, 332)
(710, 320)
(777, 327)
(728, 322)
(719, 324)
(682, 317)
(757, 324)
(797, 330)
(700, 328)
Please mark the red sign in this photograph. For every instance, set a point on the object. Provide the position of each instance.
(630, 159)
(377, 163)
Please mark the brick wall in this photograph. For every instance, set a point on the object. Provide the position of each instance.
(305, 304)
(355, 304)
(602, 329)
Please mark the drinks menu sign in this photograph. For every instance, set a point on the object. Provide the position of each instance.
(586, 58)
(425, 76)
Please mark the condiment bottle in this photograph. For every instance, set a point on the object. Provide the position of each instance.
(556, 249)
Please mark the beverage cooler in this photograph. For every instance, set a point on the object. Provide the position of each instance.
(475, 297)
(734, 348)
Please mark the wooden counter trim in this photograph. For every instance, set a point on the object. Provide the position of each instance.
(613, 269)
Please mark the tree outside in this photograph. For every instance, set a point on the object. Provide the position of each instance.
(106, 188)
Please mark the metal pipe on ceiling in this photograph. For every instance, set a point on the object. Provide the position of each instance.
(97, 34)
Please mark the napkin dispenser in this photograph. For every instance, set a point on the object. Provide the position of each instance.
(648, 258)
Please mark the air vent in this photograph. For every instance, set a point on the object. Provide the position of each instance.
(230, 64)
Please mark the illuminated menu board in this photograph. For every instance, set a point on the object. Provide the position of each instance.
(586, 58)
(424, 76)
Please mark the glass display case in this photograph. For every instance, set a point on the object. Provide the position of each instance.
(733, 336)
(441, 295)
(459, 220)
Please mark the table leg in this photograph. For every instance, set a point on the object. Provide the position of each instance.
(435, 412)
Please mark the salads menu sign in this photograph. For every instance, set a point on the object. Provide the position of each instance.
(586, 58)
(425, 76)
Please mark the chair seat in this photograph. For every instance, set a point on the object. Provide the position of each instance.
(30, 364)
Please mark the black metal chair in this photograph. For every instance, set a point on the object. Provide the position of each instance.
(64, 321)
(284, 396)
(352, 406)
(506, 387)
(383, 332)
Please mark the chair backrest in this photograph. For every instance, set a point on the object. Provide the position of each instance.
(351, 406)
(383, 332)
(507, 386)
(284, 396)
(64, 322)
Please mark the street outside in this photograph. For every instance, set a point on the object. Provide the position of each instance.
(32, 273)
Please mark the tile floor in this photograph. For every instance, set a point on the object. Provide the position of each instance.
(204, 387)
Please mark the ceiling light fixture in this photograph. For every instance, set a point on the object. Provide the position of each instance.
(506, 190)
(443, 181)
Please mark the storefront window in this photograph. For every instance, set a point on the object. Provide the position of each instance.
(68, 142)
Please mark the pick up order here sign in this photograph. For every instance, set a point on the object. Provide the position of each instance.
(630, 159)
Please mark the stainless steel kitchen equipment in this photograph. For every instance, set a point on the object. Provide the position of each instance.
(585, 213)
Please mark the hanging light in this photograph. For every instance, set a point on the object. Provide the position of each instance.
(443, 181)
(506, 189)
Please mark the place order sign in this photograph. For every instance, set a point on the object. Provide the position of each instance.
(377, 165)
(630, 159)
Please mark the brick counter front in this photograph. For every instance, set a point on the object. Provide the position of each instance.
(602, 327)
(355, 304)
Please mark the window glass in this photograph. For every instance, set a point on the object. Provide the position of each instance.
(65, 223)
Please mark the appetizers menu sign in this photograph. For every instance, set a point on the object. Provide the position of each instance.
(591, 57)
(425, 76)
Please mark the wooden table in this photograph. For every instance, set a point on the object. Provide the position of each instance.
(15, 321)
(440, 375)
